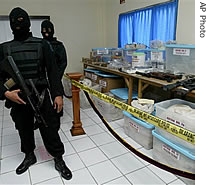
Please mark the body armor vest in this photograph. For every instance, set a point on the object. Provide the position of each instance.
(27, 55)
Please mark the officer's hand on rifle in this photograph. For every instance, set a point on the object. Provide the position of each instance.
(58, 103)
(13, 96)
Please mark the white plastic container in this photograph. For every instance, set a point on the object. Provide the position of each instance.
(109, 111)
(139, 130)
(101, 51)
(157, 55)
(180, 58)
(183, 120)
(127, 54)
(147, 53)
(138, 59)
(84, 103)
(173, 155)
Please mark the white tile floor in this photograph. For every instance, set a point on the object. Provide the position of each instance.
(94, 158)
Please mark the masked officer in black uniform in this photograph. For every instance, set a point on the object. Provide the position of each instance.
(47, 30)
(35, 60)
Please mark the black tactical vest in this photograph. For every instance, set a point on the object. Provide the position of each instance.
(55, 45)
(28, 56)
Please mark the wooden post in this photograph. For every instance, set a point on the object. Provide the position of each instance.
(77, 124)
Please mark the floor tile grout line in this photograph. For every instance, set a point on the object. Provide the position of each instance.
(145, 166)
(96, 146)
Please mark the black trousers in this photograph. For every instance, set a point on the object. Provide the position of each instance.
(23, 116)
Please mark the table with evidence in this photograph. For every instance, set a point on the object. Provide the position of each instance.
(143, 81)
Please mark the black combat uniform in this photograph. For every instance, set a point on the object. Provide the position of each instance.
(35, 60)
(47, 30)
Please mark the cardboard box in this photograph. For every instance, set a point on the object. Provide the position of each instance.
(109, 81)
(90, 73)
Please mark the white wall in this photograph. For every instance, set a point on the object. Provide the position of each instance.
(85, 24)
(186, 22)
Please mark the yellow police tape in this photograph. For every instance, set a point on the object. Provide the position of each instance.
(169, 127)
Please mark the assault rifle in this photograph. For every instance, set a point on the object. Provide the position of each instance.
(161, 75)
(8, 65)
(187, 84)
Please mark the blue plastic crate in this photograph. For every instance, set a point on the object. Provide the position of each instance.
(122, 93)
(170, 154)
(92, 70)
(139, 130)
(107, 75)
(139, 121)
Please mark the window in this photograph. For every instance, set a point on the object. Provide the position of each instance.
(157, 22)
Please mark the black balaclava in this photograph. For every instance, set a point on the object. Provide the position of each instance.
(19, 23)
(47, 30)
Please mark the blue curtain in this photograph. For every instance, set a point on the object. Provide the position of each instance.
(125, 34)
(157, 22)
(142, 26)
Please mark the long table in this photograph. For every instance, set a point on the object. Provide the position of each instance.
(143, 82)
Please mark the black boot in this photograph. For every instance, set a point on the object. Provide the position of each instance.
(62, 168)
(28, 161)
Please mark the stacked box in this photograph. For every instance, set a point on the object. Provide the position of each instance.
(95, 78)
(180, 58)
(117, 53)
(127, 54)
(101, 51)
(109, 81)
(157, 55)
(147, 53)
(173, 155)
(91, 74)
(153, 54)
(139, 130)
(186, 121)
(138, 59)
(154, 57)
